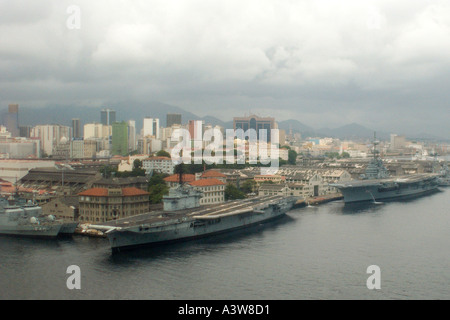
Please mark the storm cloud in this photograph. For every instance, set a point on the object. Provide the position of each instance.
(383, 64)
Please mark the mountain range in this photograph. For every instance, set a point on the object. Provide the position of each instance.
(126, 110)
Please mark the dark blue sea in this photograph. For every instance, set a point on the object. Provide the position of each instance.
(318, 252)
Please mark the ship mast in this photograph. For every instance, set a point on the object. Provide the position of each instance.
(375, 143)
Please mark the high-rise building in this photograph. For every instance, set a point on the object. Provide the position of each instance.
(196, 129)
(131, 135)
(108, 117)
(173, 118)
(76, 128)
(77, 148)
(119, 138)
(151, 127)
(11, 120)
(25, 131)
(256, 123)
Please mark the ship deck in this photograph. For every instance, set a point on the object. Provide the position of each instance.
(202, 212)
(378, 182)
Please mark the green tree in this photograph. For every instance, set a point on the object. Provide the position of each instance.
(292, 157)
(248, 186)
(163, 153)
(345, 155)
(137, 164)
(157, 188)
(233, 193)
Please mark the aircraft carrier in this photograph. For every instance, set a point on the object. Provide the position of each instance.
(376, 185)
(183, 218)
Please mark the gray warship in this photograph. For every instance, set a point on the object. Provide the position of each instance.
(182, 218)
(25, 220)
(376, 184)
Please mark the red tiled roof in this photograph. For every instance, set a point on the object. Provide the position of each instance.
(212, 174)
(127, 192)
(95, 192)
(206, 183)
(103, 192)
(175, 178)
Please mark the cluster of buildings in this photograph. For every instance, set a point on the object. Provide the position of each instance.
(60, 167)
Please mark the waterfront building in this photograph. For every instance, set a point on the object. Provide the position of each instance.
(104, 204)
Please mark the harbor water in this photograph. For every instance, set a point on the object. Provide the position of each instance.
(319, 252)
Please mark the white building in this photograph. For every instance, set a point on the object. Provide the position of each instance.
(151, 127)
(158, 164)
(10, 170)
(131, 135)
(77, 148)
(127, 164)
(97, 131)
(213, 190)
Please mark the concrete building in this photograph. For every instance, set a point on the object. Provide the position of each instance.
(196, 129)
(76, 128)
(151, 127)
(51, 136)
(107, 117)
(19, 148)
(62, 208)
(11, 120)
(158, 164)
(256, 123)
(126, 164)
(104, 204)
(131, 135)
(173, 118)
(119, 138)
(77, 148)
(10, 170)
(213, 190)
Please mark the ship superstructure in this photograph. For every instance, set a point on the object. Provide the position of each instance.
(18, 219)
(377, 185)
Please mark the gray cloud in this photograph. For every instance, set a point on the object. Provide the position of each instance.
(383, 64)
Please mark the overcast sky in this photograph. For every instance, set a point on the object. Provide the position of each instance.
(383, 64)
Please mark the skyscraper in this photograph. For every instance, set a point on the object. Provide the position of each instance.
(131, 135)
(119, 138)
(151, 127)
(173, 118)
(76, 128)
(11, 120)
(196, 129)
(108, 116)
(256, 123)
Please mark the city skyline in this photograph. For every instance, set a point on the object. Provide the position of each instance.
(323, 63)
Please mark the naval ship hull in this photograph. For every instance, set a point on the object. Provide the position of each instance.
(388, 189)
(31, 231)
(193, 227)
